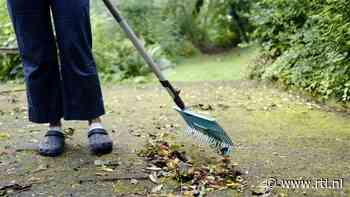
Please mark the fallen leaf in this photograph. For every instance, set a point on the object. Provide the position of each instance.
(180, 155)
(154, 178)
(232, 185)
(106, 169)
(34, 179)
(100, 162)
(101, 174)
(41, 168)
(164, 152)
(183, 168)
(135, 133)
(133, 181)
(75, 185)
(69, 131)
(4, 136)
(154, 168)
(157, 188)
(34, 141)
(164, 146)
(173, 163)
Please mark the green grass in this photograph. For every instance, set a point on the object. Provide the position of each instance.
(231, 65)
(226, 66)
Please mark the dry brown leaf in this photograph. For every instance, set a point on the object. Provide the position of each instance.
(41, 168)
(154, 178)
(101, 174)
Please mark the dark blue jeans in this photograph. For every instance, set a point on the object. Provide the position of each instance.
(59, 68)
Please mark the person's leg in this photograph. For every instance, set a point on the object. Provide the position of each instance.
(82, 95)
(31, 21)
(32, 24)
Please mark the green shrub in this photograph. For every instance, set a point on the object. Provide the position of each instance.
(152, 21)
(115, 55)
(309, 41)
(113, 52)
(206, 24)
(9, 64)
(169, 29)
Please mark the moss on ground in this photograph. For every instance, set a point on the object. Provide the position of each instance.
(277, 134)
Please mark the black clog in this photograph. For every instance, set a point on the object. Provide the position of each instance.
(99, 141)
(53, 144)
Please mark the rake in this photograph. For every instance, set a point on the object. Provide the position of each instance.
(206, 129)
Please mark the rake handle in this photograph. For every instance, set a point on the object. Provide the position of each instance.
(148, 59)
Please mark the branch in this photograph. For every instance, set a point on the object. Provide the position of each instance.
(9, 51)
(111, 179)
(11, 91)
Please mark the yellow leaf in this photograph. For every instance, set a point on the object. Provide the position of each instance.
(4, 136)
(105, 169)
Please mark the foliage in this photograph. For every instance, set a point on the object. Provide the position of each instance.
(9, 64)
(6, 33)
(111, 50)
(115, 55)
(207, 24)
(169, 29)
(308, 42)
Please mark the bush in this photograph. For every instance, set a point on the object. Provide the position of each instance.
(309, 41)
(207, 24)
(170, 30)
(152, 21)
(115, 55)
(9, 64)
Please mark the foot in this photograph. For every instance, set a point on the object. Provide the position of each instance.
(99, 141)
(53, 144)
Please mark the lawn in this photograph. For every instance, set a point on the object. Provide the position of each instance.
(230, 65)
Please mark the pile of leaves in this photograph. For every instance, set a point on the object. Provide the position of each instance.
(166, 160)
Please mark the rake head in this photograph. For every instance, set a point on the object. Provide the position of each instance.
(207, 130)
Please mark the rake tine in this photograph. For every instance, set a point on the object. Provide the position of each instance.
(207, 139)
(203, 138)
(200, 138)
(218, 141)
